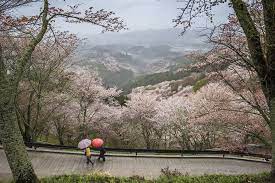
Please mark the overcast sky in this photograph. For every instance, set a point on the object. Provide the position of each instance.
(138, 14)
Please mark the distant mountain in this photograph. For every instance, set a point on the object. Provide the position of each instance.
(139, 59)
(191, 40)
(120, 58)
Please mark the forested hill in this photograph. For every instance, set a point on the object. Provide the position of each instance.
(153, 79)
(180, 71)
(138, 58)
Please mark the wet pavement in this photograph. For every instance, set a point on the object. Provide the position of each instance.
(48, 164)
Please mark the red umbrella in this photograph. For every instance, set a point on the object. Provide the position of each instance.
(97, 143)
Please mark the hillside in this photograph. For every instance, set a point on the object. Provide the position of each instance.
(181, 70)
(138, 58)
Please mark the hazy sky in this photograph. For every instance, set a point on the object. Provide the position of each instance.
(138, 14)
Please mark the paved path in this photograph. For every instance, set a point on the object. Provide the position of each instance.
(47, 164)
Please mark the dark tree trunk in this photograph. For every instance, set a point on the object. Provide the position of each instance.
(12, 139)
(264, 65)
(61, 141)
(253, 42)
(272, 120)
(61, 136)
(27, 134)
(269, 20)
(14, 148)
(10, 135)
(146, 137)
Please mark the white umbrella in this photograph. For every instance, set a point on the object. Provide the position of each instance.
(84, 143)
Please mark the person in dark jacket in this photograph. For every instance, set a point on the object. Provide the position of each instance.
(102, 152)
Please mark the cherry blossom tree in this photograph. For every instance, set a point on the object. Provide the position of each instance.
(140, 112)
(259, 41)
(46, 74)
(105, 122)
(35, 28)
(63, 120)
(218, 103)
(230, 62)
(90, 95)
(171, 120)
(176, 117)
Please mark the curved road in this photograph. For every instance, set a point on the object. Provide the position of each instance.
(48, 164)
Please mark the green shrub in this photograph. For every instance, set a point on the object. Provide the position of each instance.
(170, 173)
(261, 178)
(168, 178)
(199, 84)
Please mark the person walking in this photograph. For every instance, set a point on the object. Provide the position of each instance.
(102, 152)
(88, 155)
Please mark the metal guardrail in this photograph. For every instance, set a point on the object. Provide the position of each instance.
(161, 151)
